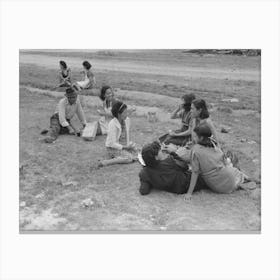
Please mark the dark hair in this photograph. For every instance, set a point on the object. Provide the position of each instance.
(103, 92)
(188, 99)
(204, 132)
(63, 64)
(201, 104)
(149, 153)
(118, 108)
(87, 64)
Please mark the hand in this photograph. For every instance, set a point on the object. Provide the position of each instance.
(187, 197)
(170, 148)
(71, 130)
(171, 133)
(99, 112)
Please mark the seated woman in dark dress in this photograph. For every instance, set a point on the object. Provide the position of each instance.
(183, 135)
(165, 172)
(64, 75)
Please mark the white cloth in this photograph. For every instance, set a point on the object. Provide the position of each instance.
(85, 83)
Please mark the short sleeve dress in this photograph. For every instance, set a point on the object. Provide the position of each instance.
(210, 164)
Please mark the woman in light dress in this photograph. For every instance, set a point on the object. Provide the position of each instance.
(209, 161)
(89, 79)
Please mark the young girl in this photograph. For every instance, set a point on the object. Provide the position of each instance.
(64, 75)
(183, 135)
(89, 79)
(208, 161)
(117, 152)
(200, 115)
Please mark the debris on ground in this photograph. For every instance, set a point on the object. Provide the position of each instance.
(22, 204)
(86, 203)
(231, 100)
(225, 129)
(252, 142)
(225, 110)
(69, 184)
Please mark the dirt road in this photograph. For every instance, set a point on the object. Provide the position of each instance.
(145, 67)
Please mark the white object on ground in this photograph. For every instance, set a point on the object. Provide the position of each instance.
(140, 159)
(89, 131)
(230, 100)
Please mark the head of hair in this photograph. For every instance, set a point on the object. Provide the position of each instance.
(188, 99)
(118, 108)
(201, 104)
(86, 64)
(204, 134)
(103, 92)
(63, 64)
(149, 153)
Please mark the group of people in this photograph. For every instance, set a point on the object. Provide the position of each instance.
(180, 161)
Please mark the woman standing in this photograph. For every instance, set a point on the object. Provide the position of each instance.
(89, 79)
(208, 161)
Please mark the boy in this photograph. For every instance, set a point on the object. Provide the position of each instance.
(165, 172)
(60, 122)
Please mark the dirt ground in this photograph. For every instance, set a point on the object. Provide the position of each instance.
(150, 80)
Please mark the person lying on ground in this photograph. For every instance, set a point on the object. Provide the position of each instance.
(64, 75)
(89, 79)
(200, 115)
(209, 162)
(60, 122)
(183, 135)
(117, 152)
(165, 172)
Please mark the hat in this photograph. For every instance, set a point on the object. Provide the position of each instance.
(70, 92)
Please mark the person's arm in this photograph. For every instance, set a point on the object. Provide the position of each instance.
(213, 130)
(176, 113)
(184, 133)
(80, 113)
(195, 172)
(194, 178)
(145, 187)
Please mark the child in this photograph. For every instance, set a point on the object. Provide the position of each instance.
(164, 172)
(117, 152)
(60, 122)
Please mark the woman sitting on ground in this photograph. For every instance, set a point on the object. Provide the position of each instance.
(117, 152)
(209, 162)
(200, 115)
(64, 75)
(89, 79)
(108, 100)
(183, 135)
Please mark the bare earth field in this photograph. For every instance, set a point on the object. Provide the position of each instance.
(151, 80)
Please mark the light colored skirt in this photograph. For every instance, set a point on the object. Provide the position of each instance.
(224, 180)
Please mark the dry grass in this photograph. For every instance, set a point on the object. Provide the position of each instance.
(114, 189)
